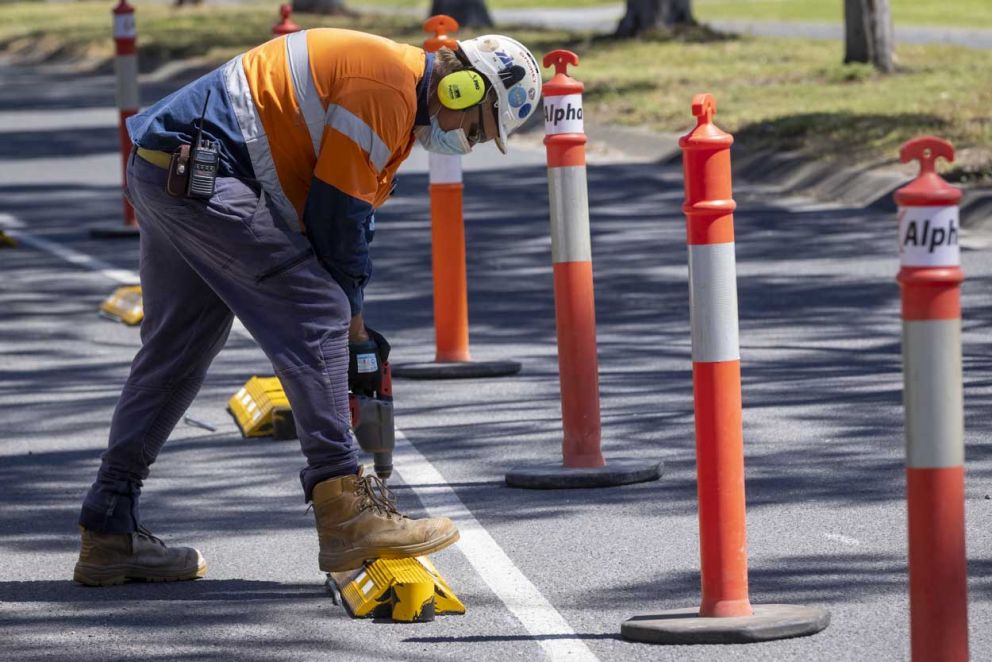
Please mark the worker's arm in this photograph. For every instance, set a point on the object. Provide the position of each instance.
(358, 142)
(337, 225)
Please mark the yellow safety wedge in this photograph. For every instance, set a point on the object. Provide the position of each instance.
(6, 241)
(406, 590)
(124, 305)
(261, 409)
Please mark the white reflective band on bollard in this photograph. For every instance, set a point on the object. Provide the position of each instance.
(928, 237)
(125, 26)
(569, 198)
(126, 71)
(445, 168)
(713, 303)
(933, 397)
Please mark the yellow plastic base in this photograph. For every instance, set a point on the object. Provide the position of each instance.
(124, 305)
(260, 407)
(400, 589)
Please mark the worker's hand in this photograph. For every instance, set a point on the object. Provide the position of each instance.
(366, 359)
(356, 330)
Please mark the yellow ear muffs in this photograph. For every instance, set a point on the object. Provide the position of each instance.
(461, 90)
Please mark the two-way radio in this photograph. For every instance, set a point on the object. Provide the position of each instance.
(204, 162)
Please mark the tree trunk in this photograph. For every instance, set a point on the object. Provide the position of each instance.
(468, 13)
(320, 6)
(644, 15)
(868, 33)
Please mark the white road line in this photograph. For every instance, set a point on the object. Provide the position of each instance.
(520, 596)
(74, 257)
(105, 269)
(538, 616)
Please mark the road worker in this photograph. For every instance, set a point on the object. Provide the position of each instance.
(308, 131)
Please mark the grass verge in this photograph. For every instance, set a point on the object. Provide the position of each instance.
(774, 94)
(81, 31)
(961, 13)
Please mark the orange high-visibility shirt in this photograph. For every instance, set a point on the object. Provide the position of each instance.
(335, 104)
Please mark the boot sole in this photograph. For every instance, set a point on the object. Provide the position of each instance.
(355, 558)
(92, 575)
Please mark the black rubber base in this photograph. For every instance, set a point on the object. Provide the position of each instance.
(115, 232)
(553, 476)
(685, 626)
(456, 370)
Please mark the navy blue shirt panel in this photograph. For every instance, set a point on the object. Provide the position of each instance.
(175, 119)
(340, 228)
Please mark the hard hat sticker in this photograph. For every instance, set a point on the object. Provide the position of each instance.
(563, 114)
(524, 111)
(928, 237)
(517, 96)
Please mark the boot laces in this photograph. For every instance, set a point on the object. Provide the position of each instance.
(148, 535)
(376, 496)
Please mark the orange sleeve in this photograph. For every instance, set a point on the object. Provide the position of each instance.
(367, 123)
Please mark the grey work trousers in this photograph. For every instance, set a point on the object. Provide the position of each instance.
(201, 263)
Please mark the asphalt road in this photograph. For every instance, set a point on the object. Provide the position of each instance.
(823, 424)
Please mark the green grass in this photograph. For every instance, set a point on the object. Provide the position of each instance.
(795, 94)
(493, 4)
(963, 13)
(82, 30)
(771, 93)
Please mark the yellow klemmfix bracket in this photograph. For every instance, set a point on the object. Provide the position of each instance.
(124, 305)
(406, 590)
(6, 241)
(261, 409)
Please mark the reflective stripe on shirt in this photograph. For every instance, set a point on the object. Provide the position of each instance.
(255, 138)
(342, 119)
(337, 117)
(298, 59)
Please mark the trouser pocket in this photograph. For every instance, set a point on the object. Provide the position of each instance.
(284, 266)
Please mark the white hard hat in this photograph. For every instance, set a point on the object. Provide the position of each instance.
(513, 72)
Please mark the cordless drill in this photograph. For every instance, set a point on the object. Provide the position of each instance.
(372, 421)
(371, 402)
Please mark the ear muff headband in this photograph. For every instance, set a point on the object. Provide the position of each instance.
(461, 90)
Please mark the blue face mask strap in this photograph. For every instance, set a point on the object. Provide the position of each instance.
(439, 141)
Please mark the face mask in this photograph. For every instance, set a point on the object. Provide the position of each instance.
(437, 140)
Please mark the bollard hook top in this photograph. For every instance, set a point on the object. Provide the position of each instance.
(285, 10)
(560, 59)
(926, 150)
(704, 108)
(440, 25)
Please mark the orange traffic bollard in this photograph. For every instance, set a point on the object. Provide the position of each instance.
(452, 359)
(286, 25)
(930, 278)
(126, 73)
(725, 614)
(582, 464)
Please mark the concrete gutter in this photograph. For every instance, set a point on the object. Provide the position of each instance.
(790, 174)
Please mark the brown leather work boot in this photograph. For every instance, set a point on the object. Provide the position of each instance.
(106, 559)
(357, 520)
